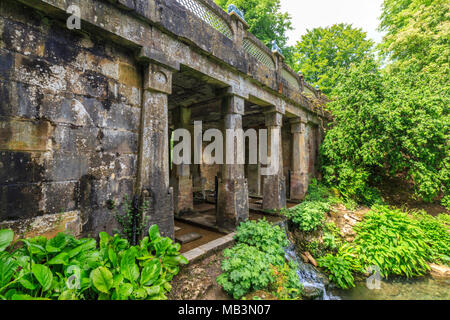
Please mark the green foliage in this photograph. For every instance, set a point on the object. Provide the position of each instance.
(341, 266)
(393, 241)
(265, 20)
(417, 35)
(66, 268)
(437, 235)
(386, 125)
(286, 285)
(323, 52)
(245, 270)
(310, 214)
(262, 235)
(257, 262)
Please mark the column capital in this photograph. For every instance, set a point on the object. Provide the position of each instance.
(233, 104)
(273, 118)
(297, 125)
(157, 78)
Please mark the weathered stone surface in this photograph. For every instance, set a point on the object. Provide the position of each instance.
(189, 237)
(84, 115)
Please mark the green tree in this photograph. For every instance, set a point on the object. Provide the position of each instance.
(388, 125)
(417, 34)
(265, 20)
(322, 52)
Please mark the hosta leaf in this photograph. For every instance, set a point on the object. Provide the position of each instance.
(7, 268)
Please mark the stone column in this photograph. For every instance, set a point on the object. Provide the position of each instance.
(183, 200)
(274, 190)
(299, 174)
(153, 159)
(232, 200)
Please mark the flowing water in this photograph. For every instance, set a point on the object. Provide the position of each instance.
(317, 285)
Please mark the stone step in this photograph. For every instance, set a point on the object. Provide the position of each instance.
(188, 237)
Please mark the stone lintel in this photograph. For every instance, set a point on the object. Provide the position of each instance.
(152, 56)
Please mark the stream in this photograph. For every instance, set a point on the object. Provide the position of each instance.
(318, 287)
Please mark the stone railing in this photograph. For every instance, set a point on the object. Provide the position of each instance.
(212, 14)
(257, 51)
(291, 77)
(204, 11)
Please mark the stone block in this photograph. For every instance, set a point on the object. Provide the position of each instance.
(24, 135)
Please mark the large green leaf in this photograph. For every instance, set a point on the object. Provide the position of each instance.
(125, 290)
(128, 266)
(153, 232)
(102, 279)
(6, 237)
(88, 245)
(43, 275)
(151, 272)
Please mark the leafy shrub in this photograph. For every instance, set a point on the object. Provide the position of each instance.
(309, 215)
(246, 269)
(66, 268)
(437, 235)
(262, 235)
(385, 125)
(258, 262)
(286, 285)
(341, 266)
(394, 242)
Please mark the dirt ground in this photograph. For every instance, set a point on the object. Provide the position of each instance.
(400, 193)
(198, 281)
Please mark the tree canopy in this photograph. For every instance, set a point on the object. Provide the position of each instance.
(417, 34)
(393, 120)
(322, 52)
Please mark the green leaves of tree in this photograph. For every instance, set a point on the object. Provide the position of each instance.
(323, 52)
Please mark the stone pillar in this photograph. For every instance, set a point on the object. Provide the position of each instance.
(183, 200)
(232, 200)
(153, 163)
(299, 174)
(274, 190)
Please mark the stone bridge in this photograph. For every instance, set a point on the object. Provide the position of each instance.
(86, 116)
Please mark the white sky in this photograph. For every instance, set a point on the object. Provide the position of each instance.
(309, 14)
